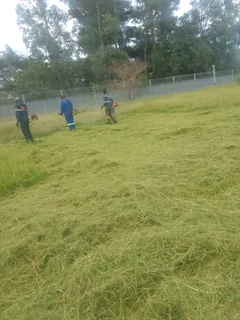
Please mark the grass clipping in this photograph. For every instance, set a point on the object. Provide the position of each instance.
(138, 220)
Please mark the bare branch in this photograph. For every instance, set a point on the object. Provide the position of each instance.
(129, 72)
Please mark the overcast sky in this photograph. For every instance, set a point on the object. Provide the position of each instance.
(11, 35)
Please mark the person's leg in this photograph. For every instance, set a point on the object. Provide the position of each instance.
(73, 126)
(108, 112)
(110, 115)
(70, 122)
(23, 125)
(28, 132)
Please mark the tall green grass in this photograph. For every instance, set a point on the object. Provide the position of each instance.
(138, 220)
(16, 171)
(48, 124)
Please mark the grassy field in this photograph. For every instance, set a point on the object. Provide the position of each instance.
(138, 220)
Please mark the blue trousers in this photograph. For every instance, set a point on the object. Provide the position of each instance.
(70, 122)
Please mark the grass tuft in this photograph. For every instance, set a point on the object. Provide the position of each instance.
(16, 171)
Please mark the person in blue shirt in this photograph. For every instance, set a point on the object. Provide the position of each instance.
(66, 109)
(108, 104)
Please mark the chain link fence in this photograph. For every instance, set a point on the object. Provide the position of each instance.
(48, 102)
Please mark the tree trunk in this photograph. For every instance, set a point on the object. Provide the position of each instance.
(43, 8)
(99, 26)
(145, 58)
(49, 48)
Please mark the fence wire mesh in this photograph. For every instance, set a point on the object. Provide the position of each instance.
(85, 97)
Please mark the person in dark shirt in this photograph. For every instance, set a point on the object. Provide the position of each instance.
(21, 113)
(66, 109)
(108, 104)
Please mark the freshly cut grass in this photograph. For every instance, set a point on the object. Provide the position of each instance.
(16, 171)
(138, 220)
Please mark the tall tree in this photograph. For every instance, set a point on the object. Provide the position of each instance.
(111, 32)
(154, 21)
(218, 29)
(101, 63)
(189, 54)
(10, 65)
(44, 29)
(60, 74)
(101, 22)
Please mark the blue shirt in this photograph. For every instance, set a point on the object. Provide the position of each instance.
(66, 107)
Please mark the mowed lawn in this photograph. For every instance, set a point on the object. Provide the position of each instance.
(138, 220)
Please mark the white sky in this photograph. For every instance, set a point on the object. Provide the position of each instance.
(10, 33)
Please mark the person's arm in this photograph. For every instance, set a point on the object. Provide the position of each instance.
(62, 108)
(17, 113)
(104, 101)
(111, 100)
(26, 109)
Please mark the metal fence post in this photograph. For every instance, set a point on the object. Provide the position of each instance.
(124, 90)
(195, 81)
(214, 75)
(150, 85)
(174, 85)
(232, 75)
(61, 93)
(23, 98)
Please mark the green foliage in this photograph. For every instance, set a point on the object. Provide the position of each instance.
(138, 220)
(64, 73)
(106, 32)
(217, 23)
(102, 62)
(159, 63)
(44, 29)
(101, 22)
(10, 65)
(60, 74)
(143, 79)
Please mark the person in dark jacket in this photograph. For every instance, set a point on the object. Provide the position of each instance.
(66, 109)
(21, 112)
(108, 104)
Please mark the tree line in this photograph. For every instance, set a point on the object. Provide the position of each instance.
(79, 45)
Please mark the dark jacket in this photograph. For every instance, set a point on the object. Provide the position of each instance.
(66, 108)
(21, 111)
(107, 101)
